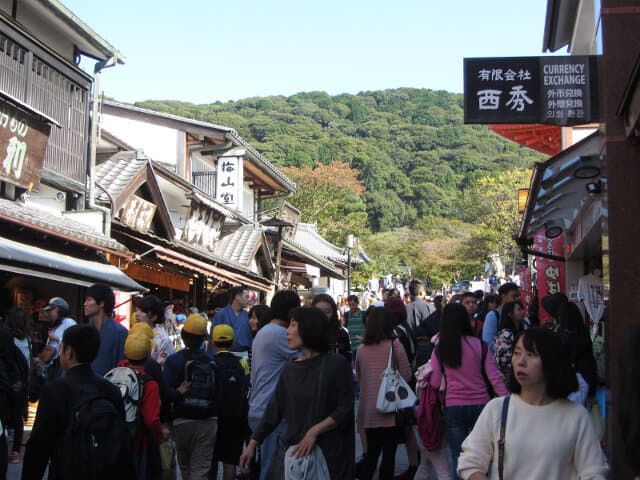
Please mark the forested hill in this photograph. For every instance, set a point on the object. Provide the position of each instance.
(409, 146)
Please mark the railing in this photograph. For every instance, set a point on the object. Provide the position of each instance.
(37, 83)
(205, 181)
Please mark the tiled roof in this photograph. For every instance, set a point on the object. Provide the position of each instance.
(60, 224)
(307, 235)
(116, 173)
(238, 245)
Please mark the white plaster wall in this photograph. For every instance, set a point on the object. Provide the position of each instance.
(158, 143)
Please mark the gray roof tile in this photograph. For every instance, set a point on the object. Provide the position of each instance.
(57, 223)
(116, 173)
(239, 244)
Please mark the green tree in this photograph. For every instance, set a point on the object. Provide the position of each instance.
(331, 196)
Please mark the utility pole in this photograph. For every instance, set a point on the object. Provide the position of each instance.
(349, 247)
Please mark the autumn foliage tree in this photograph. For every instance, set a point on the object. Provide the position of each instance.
(331, 196)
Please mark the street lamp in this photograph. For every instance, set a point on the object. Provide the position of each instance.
(349, 247)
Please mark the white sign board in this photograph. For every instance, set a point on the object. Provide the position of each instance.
(229, 182)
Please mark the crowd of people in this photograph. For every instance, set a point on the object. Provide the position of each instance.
(280, 391)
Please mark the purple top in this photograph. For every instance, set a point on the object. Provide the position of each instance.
(465, 385)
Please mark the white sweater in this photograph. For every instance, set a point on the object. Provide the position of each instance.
(550, 442)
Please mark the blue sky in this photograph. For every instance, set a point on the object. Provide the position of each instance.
(202, 51)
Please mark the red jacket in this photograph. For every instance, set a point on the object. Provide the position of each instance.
(149, 409)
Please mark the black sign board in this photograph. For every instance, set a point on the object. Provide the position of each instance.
(551, 90)
(23, 143)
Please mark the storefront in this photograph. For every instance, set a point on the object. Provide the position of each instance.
(44, 256)
(562, 238)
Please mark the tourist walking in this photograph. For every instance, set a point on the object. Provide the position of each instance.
(382, 435)
(270, 354)
(542, 379)
(466, 366)
(314, 396)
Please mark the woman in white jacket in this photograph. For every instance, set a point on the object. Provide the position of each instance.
(546, 435)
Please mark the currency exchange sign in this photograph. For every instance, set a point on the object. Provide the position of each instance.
(549, 90)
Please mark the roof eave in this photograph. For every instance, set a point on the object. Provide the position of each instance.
(265, 164)
(95, 40)
(559, 24)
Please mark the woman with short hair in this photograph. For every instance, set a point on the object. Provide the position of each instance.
(339, 341)
(546, 435)
(372, 358)
(314, 395)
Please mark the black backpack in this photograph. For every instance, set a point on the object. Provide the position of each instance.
(231, 386)
(199, 401)
(96, 443)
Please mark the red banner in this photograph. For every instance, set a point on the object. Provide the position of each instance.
(551, 275)
(525, 288)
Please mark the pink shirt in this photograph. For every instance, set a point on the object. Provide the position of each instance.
(371, 362)
(465, 385)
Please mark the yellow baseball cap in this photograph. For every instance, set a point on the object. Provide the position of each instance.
(222, 333)
(195, 325)
(144, 329)
(137, 346)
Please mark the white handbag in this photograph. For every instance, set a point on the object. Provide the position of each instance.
(311, 467)
(394, 394)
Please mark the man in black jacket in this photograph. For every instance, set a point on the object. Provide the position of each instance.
(59, 400)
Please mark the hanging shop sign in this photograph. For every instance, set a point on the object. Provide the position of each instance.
(551, 273)
(560, 90)
(138, 214)
(203, 226)
(229, 181)
(23, 143)
(526, 292)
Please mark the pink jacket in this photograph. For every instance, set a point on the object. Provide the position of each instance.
(465, 385)
(371, 361)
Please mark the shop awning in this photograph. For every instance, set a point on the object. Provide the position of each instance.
(561, 186)
(546, 139)
(204, 268)
(38, 262)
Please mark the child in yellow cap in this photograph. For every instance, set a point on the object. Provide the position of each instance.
(149, 434)
(194, 422)
(232, 378)
(168, 395)
(144, 329)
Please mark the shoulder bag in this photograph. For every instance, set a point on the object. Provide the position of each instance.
(394, 393)
(503, 430)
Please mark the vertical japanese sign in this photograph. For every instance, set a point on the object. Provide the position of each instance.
(525, 288)
(229, 182)
(550, 90)
(551, 274)
(23, 142)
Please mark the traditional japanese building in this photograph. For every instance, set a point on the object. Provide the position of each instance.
(54, 241)
(188, 208)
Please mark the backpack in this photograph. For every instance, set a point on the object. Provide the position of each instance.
(231, 385)
(131, 385)
(199, 401)
(96, 440)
